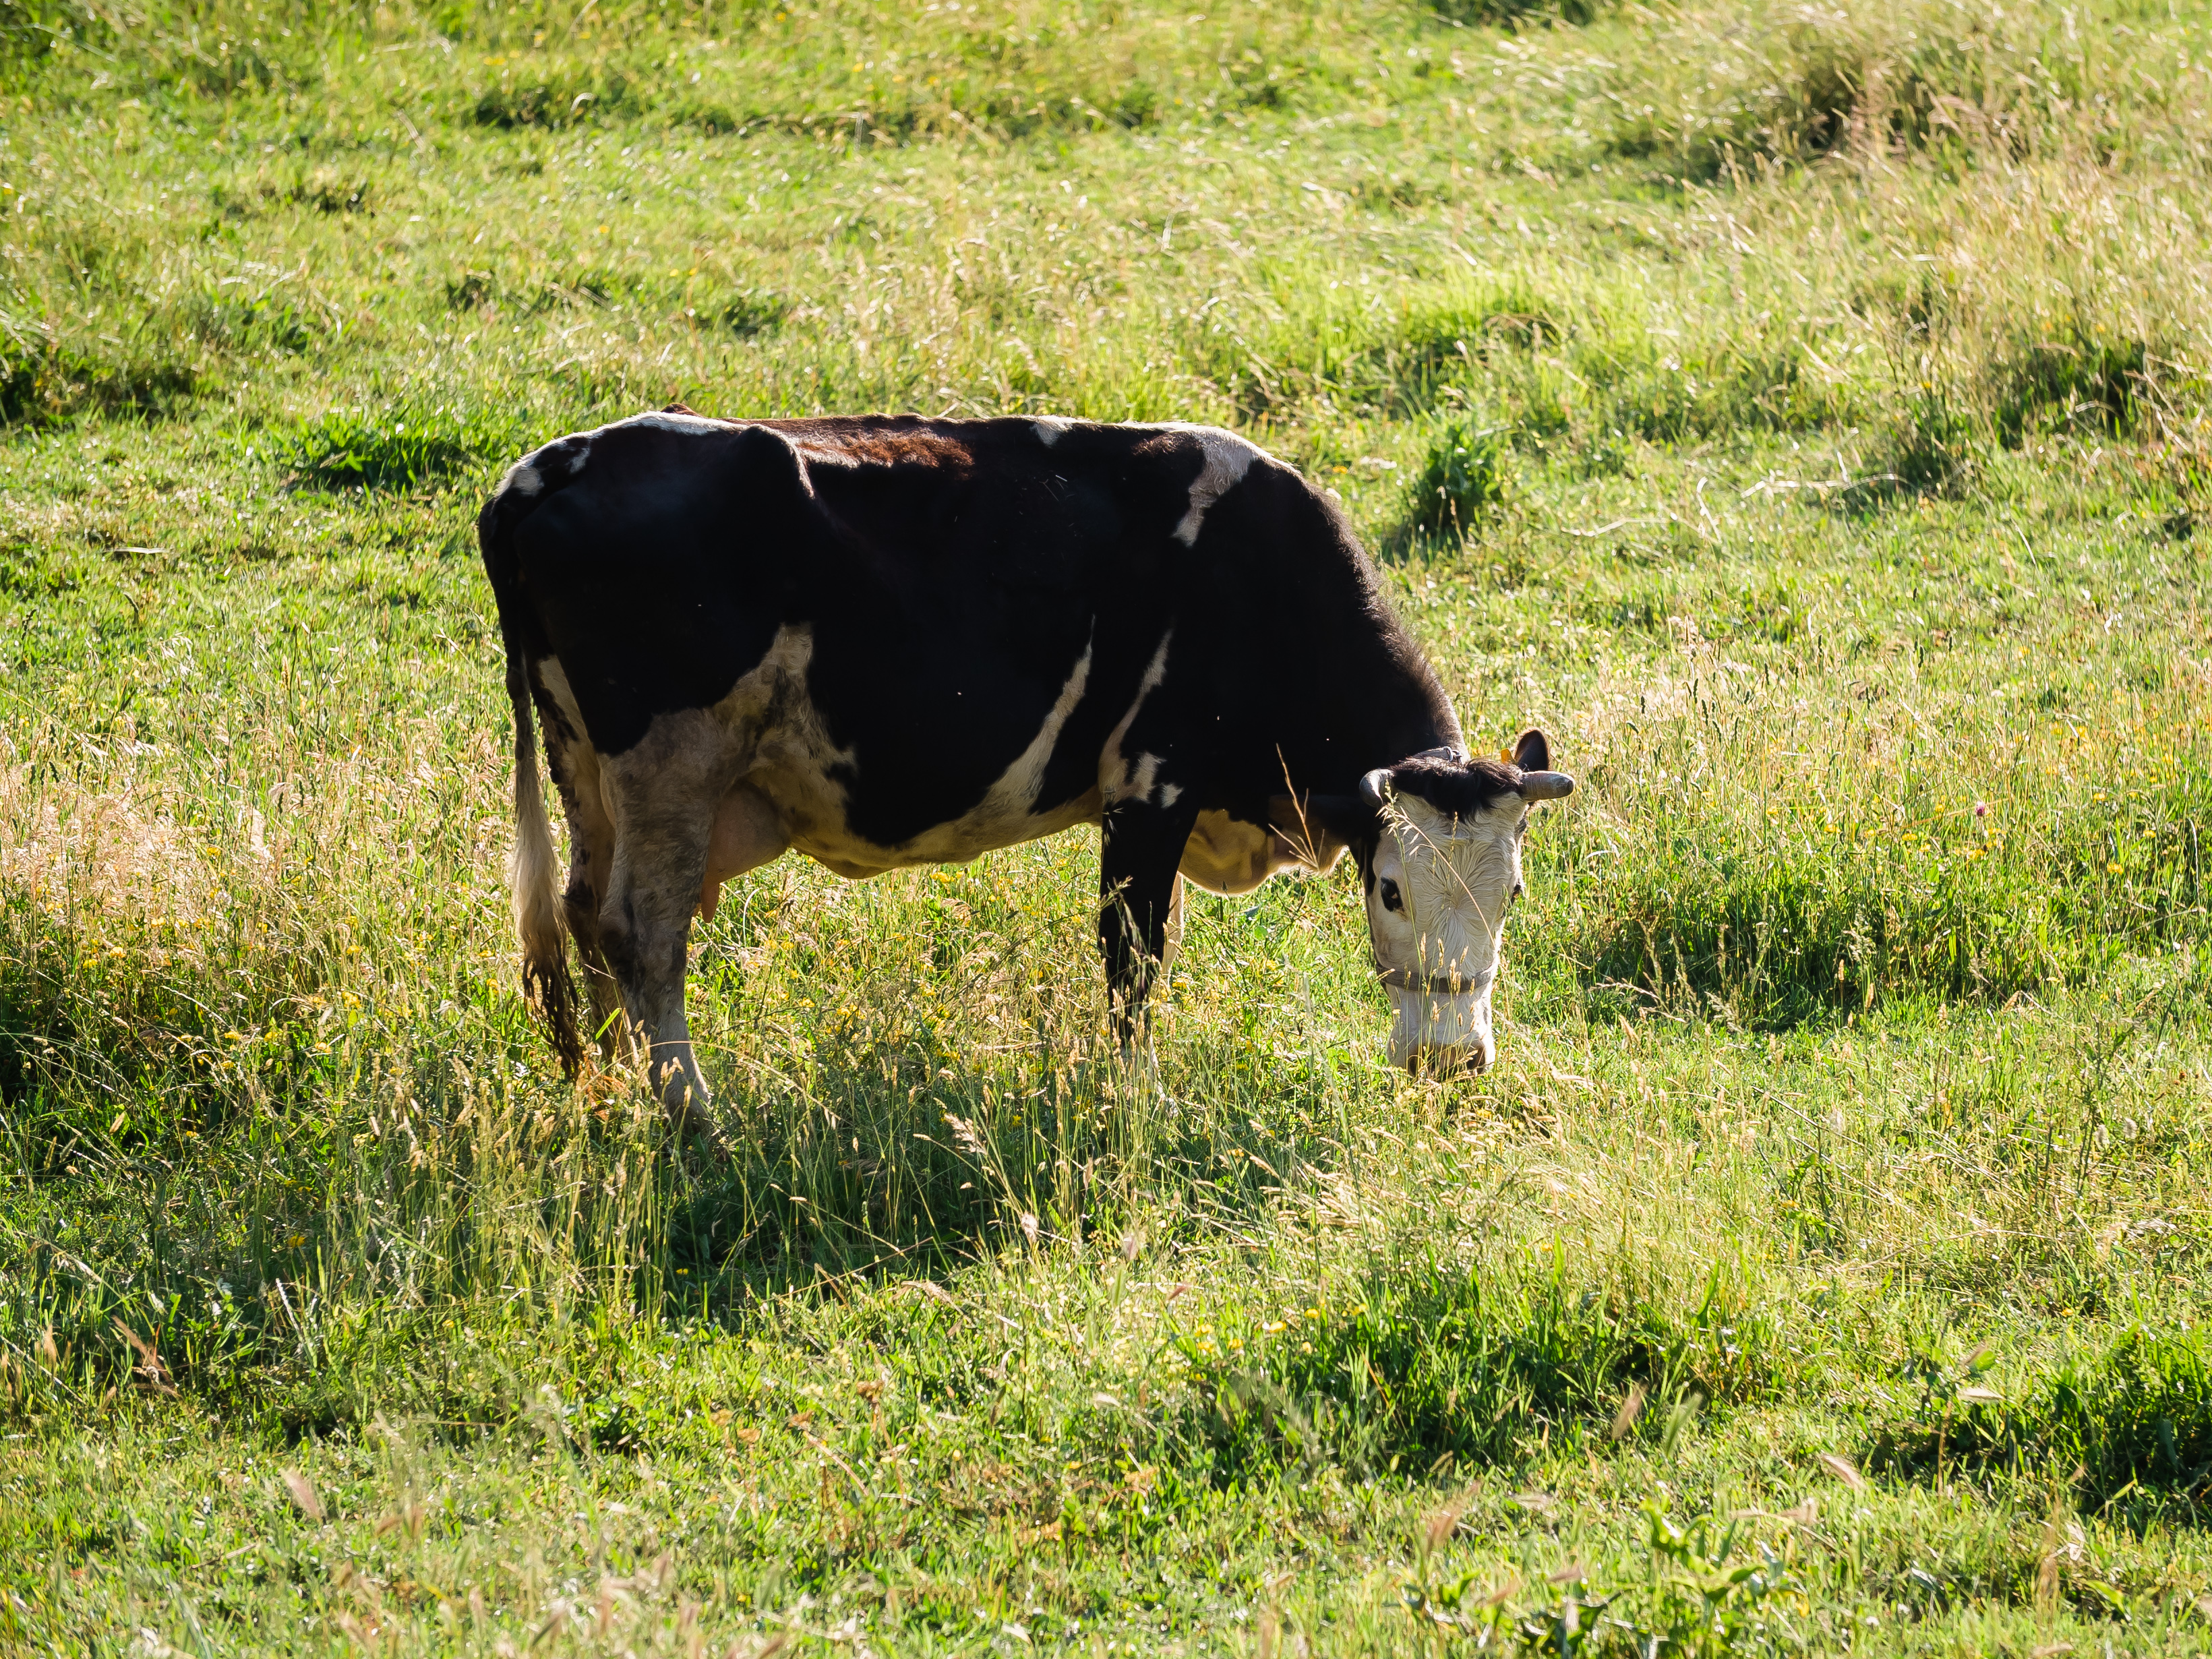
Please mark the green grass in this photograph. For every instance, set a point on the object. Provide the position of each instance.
(1802, 414)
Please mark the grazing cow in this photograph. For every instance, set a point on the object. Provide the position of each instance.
(898, 642)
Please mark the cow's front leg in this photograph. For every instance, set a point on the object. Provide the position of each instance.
(1139, 914)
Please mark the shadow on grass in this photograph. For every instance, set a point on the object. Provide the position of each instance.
(906, 1159)
(283, 1259)
(2133, 1425)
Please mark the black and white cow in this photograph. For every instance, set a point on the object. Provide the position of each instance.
(898, 642)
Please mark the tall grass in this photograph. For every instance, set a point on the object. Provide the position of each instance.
(1801, 415)
(918, 1064)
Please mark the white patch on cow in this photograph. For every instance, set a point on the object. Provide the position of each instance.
(1454, 879)
(1017, 785)
(669, 420)
(586, 776)
(818, 455)
(1118, 780)
(795, 762)
(555, 679)
(1143, 777)
(1228, 457)
(564, 458)
(773, 721)
(1048, 428)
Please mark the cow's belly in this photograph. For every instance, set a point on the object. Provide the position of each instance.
(814, 810)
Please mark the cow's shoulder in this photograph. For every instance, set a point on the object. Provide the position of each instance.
(1191, 466)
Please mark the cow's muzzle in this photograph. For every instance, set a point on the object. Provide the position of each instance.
(1468, 1060)
(1443, 1028)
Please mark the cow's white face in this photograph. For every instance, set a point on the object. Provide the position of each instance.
(1437, 892)
(1442, 834)
(1438, 837)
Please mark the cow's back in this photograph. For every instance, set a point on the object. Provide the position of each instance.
(970, 611)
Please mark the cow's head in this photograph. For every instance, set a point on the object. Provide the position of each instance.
(1438, 840)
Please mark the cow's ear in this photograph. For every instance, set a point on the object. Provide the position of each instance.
(1322, 825)
(1532, 751)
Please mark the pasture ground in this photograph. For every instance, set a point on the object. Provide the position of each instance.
(1802, 414)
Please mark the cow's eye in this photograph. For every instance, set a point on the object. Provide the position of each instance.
(1391, 900)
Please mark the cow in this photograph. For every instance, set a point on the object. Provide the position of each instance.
(893, 641)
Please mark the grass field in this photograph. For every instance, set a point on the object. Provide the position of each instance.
(1804, 413)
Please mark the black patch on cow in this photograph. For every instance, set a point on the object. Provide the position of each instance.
(951, 574)
(1460, 787)
(638, 571)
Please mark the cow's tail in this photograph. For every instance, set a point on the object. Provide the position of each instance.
(533, 873)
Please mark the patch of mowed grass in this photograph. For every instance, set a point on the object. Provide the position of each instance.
(1854, 487)
(394, 447)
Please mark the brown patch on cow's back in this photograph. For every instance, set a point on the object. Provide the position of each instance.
(884, 440)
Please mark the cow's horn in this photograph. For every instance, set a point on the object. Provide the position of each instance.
(1545, 786)
(1370, 786)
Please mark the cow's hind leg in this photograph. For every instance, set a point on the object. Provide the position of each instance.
(591, 866)
(664, 815)
(1140, 918)
(582, 902)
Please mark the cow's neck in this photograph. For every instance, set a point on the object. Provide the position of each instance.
(1372, 700)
